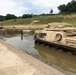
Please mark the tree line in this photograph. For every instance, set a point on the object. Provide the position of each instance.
(70, 7)
(12, 16)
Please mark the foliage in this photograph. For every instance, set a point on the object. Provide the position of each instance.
(26, 16)
(51, 11)
(2, 18)
(70, 7)
(10, 16)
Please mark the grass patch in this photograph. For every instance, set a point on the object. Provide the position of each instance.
(70, 19)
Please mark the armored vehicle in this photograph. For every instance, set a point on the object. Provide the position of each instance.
(59, 37)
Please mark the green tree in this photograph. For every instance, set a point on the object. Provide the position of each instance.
(10, 16)
(62, 8)
(69, 7)
(51, 11)
(2, 18)
(27, 16)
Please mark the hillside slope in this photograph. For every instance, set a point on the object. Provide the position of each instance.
(41, 20)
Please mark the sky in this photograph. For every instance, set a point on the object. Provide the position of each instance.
(20, 7)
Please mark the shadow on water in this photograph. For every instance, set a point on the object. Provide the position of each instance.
(59, 60)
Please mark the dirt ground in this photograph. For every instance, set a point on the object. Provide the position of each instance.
(54, 24)
(14, 62)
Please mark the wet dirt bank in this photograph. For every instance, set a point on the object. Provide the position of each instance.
(14, 32)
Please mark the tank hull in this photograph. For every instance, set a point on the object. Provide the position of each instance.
(56, 46)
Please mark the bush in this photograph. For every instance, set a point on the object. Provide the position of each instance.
(26, 16)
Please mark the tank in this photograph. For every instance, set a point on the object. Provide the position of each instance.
(59, 37)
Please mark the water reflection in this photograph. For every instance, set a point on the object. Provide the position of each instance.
(21, 37)
(63, 60)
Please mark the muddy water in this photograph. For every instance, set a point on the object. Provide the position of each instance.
(62, 61)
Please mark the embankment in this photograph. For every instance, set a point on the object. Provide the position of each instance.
(15, 62)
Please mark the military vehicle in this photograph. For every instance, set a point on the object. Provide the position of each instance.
(59, 37)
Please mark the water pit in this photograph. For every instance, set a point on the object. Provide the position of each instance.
(62, 61)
